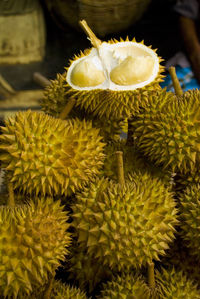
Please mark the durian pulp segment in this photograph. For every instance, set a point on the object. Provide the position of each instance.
(119, 66)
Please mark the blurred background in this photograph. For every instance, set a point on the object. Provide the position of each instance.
(41, 36)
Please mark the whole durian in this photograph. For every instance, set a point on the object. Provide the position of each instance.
(50, 156)
(33, 242)
(190, 220)
(171, 135)
(125, 226)
(175, 284)
(87, 271)
(125, 286)
(59, 291)
(133, 161)
(111, 78)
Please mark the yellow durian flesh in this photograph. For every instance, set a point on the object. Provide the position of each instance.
(116, 66)
(132, 70)
(86, 74)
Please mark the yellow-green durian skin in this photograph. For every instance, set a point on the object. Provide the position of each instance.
(170, 135)
(190, 220)
(59, 291)
(175, 284)
(133, 162)
(48, 155)
(87, 271)
(115, 104)
(125, 286)
(33, 242)
(125, 226)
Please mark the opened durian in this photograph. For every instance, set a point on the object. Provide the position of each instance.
(50, 156)
(33, 242)
(125, 286)
(109, 79)
(125, 226)
(175, 284)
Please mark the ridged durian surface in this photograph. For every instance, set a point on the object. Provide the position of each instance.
(125, 286)
(190, 219)
(170, 135)
(33, 242)
(48, 155)
(125, 226)
(87, 271)
(175, 284)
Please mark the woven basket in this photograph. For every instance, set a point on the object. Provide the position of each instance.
(22, 38)
(103, 16)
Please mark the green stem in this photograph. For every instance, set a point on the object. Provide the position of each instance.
(67, 108)
(151, 276)
(11, 198)
(175, 81)
(120, 167)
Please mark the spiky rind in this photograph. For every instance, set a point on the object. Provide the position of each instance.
(48, 155)
(189, 213)
(125, 226)
(87, 271)
(133, 161)
(171, 135)
(33, 242)
(115, 104)
(125, 286)
(175, 284)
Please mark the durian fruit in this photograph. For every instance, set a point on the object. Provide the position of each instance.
(171, 135)
(125, 286)
(190, 219)
(50, 156)
(134, 162)
(59, 291)
(110, 78)
(125, 226)
(87, 271)
(33, 242)
(175, 284)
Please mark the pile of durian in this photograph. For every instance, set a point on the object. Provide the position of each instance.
(85, 213)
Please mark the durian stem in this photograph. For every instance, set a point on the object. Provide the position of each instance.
(120, 167)
(175, 81)
(151, 276)
(67, 109)
(11, 198)
(92, 37)
(47, 294)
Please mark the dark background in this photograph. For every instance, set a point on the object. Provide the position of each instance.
(157, 27)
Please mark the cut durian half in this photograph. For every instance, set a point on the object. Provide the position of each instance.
(111, 78)
(126, 65)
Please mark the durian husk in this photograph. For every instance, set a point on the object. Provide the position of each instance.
(125, 285)
(87, 271)
(170, 135)
(50, 156)
(134, 163)
(175, 284)
(190, 221)
(59, 290)
(33, 242)
(55, 99)
(114, 104)
(125, 226)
